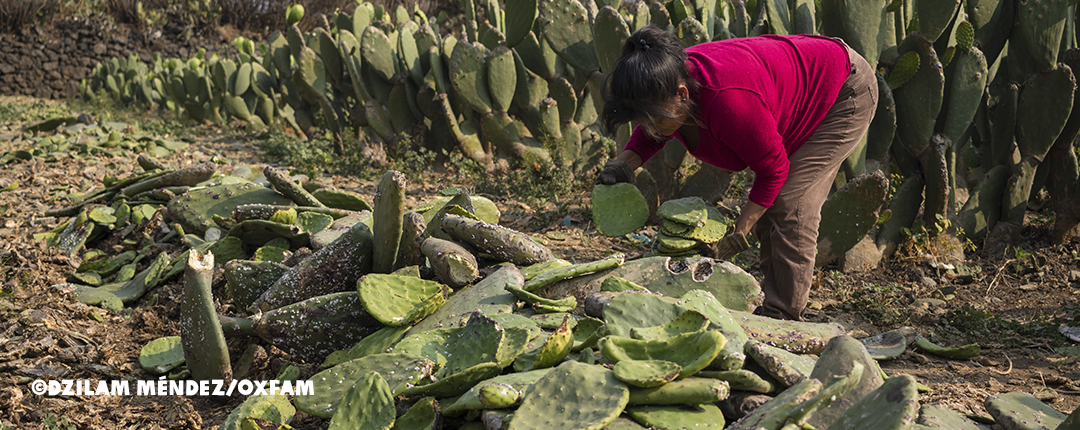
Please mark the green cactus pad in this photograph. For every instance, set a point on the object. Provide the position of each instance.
(958, 353)
(688, 211)
(788, 368)
(520, 15)
(742, 380)
(894, 405)
(501, 77)
(387, 216)
(904, 70)
(378, 52)
(637, 310)
(618, 209)
(587, 333)
(849, 213)
(797, 337)
(646, 373)
(774, 413)
(468, 74)
(500, 242)
(530, 272)
(616, 284)
(452, 263)
(257, 232)
(432, 344)
(337, 267)
(482, 207)
(543, 305)
(399, 300)
(341, 199)
(610, 31)
(196, 208)
(422, 415)
(573, 396)
(247, 280)
(376, 343)
(557, 274)
(566, 28)
(498, 395)
(936, 415)
(471, 400)
(456, 383)
(312, 329)
(885, 346)
(688, 322)
(1018, 410)
(274, 408)
(684, 391)
(838, 359)
(488, 296)
(1040, 27)
(330, 385)
(1042, 110)
(670, 245)
(162, 355)
(201, 335)
(692, 351)
(733, 355)
(703, 416)
(551, 352)
(368, 404)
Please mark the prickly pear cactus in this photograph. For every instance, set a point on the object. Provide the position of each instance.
(162, 355)
(196, 208)
(201, 335)
(733, 355)
(376, 343)
(786, 367)
(471, 400)
(488, 296)
(553, 350)
(689, 211)
(839, 357)
(618, 209)
(330, 385)
(743, 380)
(453, 264)
(397, 300)
(849, 214)
(337, 267)
(894, 405)
(936, 415)
(687, 391)
(646, 373)
(557, 274)
(387, 217)
(274, 408)
(573, 396)
(692, 351)
(499, 241)
(688, 322)
(702, 416)
(312, 329)
(774, 413)
(368, 404)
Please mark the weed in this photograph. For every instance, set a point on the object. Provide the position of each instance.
(972, 323)
(931, 240)
(881, 304)
(53, 422)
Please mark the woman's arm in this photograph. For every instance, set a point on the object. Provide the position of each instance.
(630, 158)
(751, 213)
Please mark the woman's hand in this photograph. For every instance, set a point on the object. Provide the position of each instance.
(619, 169)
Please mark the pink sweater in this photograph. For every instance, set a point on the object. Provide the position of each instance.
(760, 99)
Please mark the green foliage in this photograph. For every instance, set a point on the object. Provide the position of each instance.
(968, 323)
(53, 422)
(884, 305)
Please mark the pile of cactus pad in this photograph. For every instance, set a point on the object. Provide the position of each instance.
(687, 225)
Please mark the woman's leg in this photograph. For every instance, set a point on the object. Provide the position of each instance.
(788, 230)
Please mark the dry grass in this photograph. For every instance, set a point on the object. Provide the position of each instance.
(18, 14)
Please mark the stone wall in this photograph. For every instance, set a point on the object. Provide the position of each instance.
(51, 63)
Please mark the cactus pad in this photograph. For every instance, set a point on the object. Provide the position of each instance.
(618, 209)
(341, 199)
(456, 383)
(196, 208)
(275, 409)
(788, 368)
(894, 405)
(646, 373)
(312, 329)
(471, 400)
(453, 264)
(553, 350)
(398, 300)
(936, 415)
(733, 355)
(368, 404)
(422, 415)
(839, 358)
(886, 345)
(692, 351)
(684, 391)
(530, 272)
(376, 343)
(501, 242)
(162, 355)
(689, 211)
(488, 296)
(637, 310)
(1018, 410)
(703, 416)
(560, 273)
(330, 385)
(573, 396)
(774, 413)
(849, 214)
(544, 305)
(566, 28)
(958, 353)
(688, 322)
(742, 380)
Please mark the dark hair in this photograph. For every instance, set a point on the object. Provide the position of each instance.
(645, 78)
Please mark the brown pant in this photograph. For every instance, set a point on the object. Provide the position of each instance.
(788, 230)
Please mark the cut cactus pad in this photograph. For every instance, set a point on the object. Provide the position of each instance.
(618, 209)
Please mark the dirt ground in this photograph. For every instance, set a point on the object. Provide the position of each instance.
(1012, 308)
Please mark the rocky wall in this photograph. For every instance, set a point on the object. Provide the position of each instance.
(50, 63)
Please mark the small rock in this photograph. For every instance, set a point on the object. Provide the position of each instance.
(929, 282)
(918, 358)
(1048, 395)
(1074, 275)
(1029, 287)
(33, 317)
